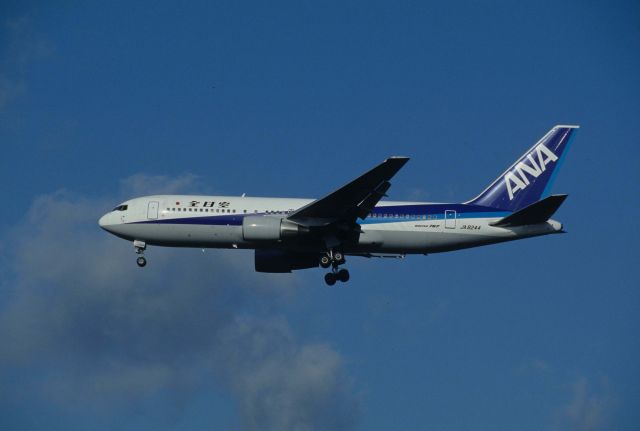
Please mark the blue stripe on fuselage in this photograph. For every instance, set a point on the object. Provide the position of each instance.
(431, 217)
(221, 220)
(382, 214)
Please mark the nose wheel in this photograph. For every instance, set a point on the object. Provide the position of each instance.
(140, 247)
(334, 259)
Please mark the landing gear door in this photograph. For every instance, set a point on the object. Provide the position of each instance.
(450, 219)
(152, 210)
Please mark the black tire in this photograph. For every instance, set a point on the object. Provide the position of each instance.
(330, 278)
(141, 261)
(338, 257)
(343, 275)
(325, 261)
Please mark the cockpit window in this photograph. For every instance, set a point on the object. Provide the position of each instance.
(121, 208)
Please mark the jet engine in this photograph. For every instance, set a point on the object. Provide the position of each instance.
(265, 228)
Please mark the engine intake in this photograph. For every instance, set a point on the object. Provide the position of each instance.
(266, 228)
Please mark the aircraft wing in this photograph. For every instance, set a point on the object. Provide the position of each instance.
(353, 200)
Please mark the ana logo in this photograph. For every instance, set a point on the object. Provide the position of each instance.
(517, 179)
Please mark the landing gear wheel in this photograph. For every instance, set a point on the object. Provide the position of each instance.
(325, 261)
(338, 258)
(330, 278)
(141, 261)
(343, 275)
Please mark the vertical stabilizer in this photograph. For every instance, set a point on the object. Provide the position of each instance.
(530, 178)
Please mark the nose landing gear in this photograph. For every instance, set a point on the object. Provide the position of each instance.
(140, 247)
(334, 259)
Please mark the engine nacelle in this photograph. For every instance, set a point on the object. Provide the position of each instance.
(284, 261)
(266, 228)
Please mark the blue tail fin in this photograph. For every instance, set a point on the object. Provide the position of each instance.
(530, 178)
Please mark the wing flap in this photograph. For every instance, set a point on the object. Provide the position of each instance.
(369, 203)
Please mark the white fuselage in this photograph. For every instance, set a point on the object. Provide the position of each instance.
(392, 227)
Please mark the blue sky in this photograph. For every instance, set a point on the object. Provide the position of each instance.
(101, 102)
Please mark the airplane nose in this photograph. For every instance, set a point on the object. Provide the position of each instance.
(103, 222)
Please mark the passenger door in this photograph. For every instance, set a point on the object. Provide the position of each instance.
(152, 210)
(450, 219)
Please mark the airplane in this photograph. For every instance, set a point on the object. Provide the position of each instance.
(292, 234)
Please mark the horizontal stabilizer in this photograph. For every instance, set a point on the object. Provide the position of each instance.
(537, 212)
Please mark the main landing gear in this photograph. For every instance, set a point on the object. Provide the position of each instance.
(334, 259)
(140, 247)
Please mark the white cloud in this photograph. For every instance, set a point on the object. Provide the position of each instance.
(284, 385)
(83, 326)
(588, 409)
